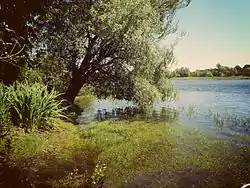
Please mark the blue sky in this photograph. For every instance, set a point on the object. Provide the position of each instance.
(218, 31)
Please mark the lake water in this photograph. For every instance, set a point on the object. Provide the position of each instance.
(205, 97)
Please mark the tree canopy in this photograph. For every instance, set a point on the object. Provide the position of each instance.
(112, 45)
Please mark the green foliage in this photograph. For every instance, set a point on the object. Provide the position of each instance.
(85, 102)
(86, 97)
(98, 174)
(64, 136)
(220, 71)
(112, 154)
(76, 179)
(31, 76)
(32, 106)
(209, 74)
(229, 120)
(126, 148)
(54, 72)
(191, 112)
(60, 154)
(15, 32)
(109, 44)
(4, 110)
(167, 89)
(87, 90)
(146, 94)
(181, 72)
(131, 149)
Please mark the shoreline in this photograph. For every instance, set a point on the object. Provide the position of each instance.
(212, 78)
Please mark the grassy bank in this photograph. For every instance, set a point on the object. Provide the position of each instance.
(212, 78)
(123, 154)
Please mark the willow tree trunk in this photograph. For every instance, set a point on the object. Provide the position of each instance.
(75, 86)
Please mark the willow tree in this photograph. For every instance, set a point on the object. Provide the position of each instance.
(113, 43)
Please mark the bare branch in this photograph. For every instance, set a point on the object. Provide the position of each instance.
(13, 55)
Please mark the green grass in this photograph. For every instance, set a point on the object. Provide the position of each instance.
(124, 152)
(212, 78)
(50, 157)
(130, 149)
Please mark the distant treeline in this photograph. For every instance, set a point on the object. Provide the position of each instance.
(219, 71)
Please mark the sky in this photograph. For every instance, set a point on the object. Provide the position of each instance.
(218, 31)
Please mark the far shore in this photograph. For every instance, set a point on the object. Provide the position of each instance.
(212, 78)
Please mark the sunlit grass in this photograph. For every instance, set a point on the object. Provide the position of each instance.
(130, 149)
(125, 150)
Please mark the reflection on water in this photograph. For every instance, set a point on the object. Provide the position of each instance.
(169, 115)
(128, 113)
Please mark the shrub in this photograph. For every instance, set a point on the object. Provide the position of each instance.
(33, 106)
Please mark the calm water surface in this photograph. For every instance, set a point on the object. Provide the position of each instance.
(217, 96)
(204, 97)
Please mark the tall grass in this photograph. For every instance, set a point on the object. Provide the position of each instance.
(30, 106)
(4, 110)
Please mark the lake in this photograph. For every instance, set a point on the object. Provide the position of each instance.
(207, 99)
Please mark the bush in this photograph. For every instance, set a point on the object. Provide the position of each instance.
(33, 106)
